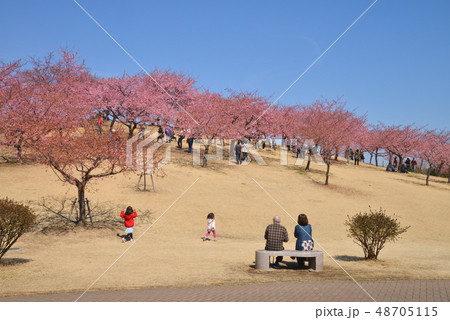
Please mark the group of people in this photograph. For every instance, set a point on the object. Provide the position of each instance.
(262, 142)
(408, 166)
(241, 150)
(356, 156)
(169, 133)
(276, 235)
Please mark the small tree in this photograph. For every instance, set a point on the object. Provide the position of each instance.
(434, 147)
(371, 231)
(401, 141)
(212, 116)
(331, 127)
(15, 220)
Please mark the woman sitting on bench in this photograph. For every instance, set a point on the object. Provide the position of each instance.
(305, 242)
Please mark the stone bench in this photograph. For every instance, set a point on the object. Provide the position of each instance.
(315, 258)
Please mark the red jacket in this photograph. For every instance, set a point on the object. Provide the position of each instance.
(128, 219)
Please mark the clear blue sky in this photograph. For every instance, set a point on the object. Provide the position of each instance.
(393, 64)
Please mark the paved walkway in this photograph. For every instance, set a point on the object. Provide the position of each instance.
(340, 291)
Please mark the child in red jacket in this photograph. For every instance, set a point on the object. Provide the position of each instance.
(129, 215)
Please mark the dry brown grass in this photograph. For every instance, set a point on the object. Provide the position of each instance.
(171, 252)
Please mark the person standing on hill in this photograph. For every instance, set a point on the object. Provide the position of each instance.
(169, 134)
(408, 164)
(357, 157)
(413, 165)
(238, 150)
(128, 216)
(141, 134)
(180, 140)
(299, 150)
(347, 154)
(160, 134)
(275, 235)
(190, 142)
(100, 125)
(395, 163)
(244, 150)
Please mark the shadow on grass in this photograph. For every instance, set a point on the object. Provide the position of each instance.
(285, 264)
(334, 187)
(13, 261)
(55, 216)
(349, 258)
(420, 180)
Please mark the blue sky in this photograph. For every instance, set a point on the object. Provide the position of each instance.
(393, 64)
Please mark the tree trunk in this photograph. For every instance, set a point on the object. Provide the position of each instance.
(131, 129)
(399, 164)
(328, 168)
(113, 121)
(438, 171)
(371, 156)
(336, 155)
(371, 255)
(448, 174)
(204, 164)
(19, 153)
(376, 157)
(309, 159)
(81, 203)
(428, 175)
(145, 179)
(232, 153)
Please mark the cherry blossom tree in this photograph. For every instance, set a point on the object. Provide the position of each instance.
(9, 85)
(209, 116)
(142, 99)
(400, 140)
(434, 147)
(287, 122)
(370, 142)
(8, 80)
(80, 156)
(40, 103)
(330, 126)
(213, 116)
(52, 114)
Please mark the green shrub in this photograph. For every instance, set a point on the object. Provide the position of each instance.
(15, 220)
(371, 231)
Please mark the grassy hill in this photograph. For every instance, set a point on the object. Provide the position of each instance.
(170, 252)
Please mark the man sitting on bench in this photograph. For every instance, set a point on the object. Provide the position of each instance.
(275, 235)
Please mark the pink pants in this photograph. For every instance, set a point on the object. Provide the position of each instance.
(209, 232)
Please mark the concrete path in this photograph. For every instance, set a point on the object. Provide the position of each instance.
(339, 291)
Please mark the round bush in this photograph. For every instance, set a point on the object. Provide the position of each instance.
(15, 220)
(372, 229)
